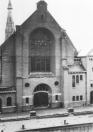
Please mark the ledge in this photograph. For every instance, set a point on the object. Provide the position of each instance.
(41, 75)
(8, 107)
(73, 72)
(7, 90)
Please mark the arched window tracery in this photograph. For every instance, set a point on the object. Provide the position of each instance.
(40, 52)
(41, 87)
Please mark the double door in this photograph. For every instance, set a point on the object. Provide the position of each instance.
(41, 99)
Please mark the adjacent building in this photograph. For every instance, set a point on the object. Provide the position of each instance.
(40, 66)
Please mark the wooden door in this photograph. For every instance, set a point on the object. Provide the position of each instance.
(41, 99)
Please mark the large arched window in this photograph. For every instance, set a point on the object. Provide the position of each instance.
(40, 44)
(9, 101)
(73, 81)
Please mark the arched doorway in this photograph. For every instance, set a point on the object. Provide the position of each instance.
(91, 97)
(41, 98)
(0, 105)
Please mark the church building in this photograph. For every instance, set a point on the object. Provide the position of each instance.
(40, 66)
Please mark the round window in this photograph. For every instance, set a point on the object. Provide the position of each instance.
(56, 83)
(27, 84)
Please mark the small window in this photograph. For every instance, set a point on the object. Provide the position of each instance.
(42, 17)
(27, 84)
(56, 83)
(91, 85)
(81, 77)
(56, 97)
(77, 79)
(81, 97)
(9, 101)
(27, 100)
(73, 81)
(77, 98)
(73, 98)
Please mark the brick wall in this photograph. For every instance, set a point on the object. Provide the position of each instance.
(6, 108)
(16, 61)
(8, 62)
(78, 90)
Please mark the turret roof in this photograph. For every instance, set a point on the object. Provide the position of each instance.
(9, 5)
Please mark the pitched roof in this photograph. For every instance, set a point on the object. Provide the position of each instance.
(76, 68)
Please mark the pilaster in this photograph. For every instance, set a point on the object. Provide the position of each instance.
(19, 54)
(66, 87)
(64, 55)
(57, 55)
(19, 70)
(25, 56)
(88, 82)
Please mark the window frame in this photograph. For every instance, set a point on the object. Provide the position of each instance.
(27, 100)
(56, 97)
(91, 85)
(81, 97)
(42, 17)
(9, 101)
(77, 79)
(73, 98)
(77, 98)
(43, 63)
(73, 81)
(40, 52)
(81, 77)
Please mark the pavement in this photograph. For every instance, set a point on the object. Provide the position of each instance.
(44, 112)
(45, 122)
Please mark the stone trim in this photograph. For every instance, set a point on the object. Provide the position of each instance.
(8, 107)
(77, 72)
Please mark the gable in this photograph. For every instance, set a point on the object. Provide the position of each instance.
(76, 68)
(33, 22)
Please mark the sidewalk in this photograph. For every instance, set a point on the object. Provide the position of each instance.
(7, 126)
(43, 112)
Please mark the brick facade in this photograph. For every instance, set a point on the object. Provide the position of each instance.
(16, 66)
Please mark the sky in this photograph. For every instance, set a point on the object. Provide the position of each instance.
(75, 16)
